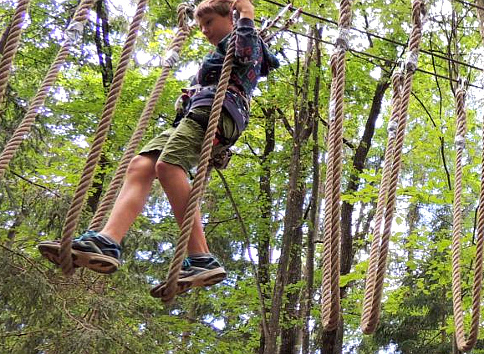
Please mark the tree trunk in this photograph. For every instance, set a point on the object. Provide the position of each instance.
(104, 52)
(266, 212)
(314, 215)
(292, 235)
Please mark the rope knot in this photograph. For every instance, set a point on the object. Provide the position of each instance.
(392, 128)
(342, 41)
(460, 141)
(411, 61)
(332, 110)
(74, 31)
(170, 59)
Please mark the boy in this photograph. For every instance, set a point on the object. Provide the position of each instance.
(172, 154)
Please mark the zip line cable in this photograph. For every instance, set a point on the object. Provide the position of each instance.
(388, 60)
(470, 4)
(322, 19)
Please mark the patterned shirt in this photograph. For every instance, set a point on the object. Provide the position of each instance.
(252, 60)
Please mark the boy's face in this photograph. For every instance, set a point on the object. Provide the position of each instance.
(215, 27)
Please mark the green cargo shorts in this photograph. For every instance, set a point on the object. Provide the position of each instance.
(182, 145)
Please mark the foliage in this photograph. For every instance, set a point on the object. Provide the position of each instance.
(43, 312)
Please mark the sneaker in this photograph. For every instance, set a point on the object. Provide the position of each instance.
(92, 250)
(195, 271)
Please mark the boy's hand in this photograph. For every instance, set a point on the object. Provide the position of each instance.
(245, 8)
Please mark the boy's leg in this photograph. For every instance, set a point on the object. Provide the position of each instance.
(132, 197)
(174, 181)
(101, 251)
(181, 153)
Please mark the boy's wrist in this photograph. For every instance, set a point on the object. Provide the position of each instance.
(247, 13)
(245, 8)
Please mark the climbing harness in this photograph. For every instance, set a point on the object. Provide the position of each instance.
(402, 87)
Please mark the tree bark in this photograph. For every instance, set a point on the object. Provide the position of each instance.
(480, 16)
(315, 208)
(104, 52)
(266, 212)
(292, 234)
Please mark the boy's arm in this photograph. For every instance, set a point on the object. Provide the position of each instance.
(247, 46)
(245, 8)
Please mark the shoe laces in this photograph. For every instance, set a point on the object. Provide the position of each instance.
(186, 263)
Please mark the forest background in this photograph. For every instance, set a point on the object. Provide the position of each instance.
(262, 214)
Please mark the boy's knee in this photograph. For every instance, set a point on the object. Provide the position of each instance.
(141, 166)
(166, 170)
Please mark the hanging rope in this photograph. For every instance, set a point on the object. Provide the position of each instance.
(108, 199)
(463, 344)
(387, 195)
(73, 32)
(198, 184)
(11, 45)
(382, 194)
(331, 267)
(100, 136)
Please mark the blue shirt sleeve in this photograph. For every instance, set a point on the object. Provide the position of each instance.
(247, 44)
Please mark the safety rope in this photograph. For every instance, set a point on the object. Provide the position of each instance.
(332, 231)
(198, 184)
(74, 212)
(463, 344)
(105, 205)
(11, 44)
(387, 199)
(72, 34)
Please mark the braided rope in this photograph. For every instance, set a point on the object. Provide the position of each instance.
(370, 316)
(332, 231)
(116, 182)
(11, 45)
(382, 198)
(198, 184)
(80, 17)
(462, 343)
(100, 136)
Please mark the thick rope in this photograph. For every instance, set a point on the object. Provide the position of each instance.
(198, 184)
(382, 194)
(73, 31)
(462, 343)
(11, 45)
(374, 289)
(116, 182)
(332, 229)
(100, 136)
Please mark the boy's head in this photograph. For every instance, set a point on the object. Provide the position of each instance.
(215, 19)
(220, 7)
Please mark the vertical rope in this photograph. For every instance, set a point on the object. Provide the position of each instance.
(11, 45)
(100, 136)
(332, 230)
(462, 343)
(382, 198)
(73, 31)
(198, 184)
(116, 182)
(374, 288)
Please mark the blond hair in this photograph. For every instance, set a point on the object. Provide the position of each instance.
(220, 7)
